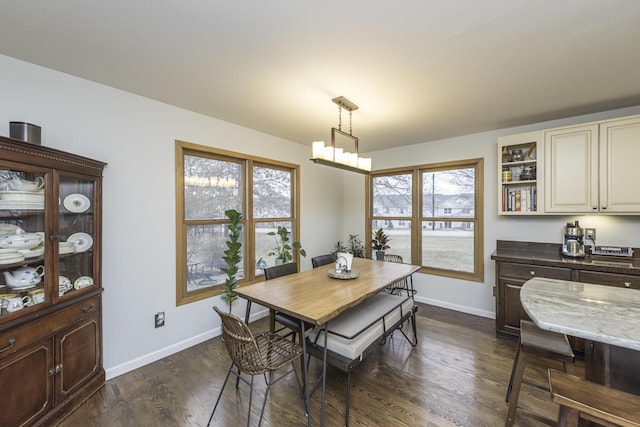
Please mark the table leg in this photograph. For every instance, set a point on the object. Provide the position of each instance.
(324, 373)
(305, 377)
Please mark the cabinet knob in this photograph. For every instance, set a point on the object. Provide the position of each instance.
(594, 208)
(58, 368)
(604, 207)
(533, 273)
(627, 284)
(89, 309)
(10, 344)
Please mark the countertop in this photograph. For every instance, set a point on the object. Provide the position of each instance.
(549, 254)
(605, 314)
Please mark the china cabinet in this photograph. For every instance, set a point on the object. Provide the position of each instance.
(519, 176)
(591, 167)
(50, 282)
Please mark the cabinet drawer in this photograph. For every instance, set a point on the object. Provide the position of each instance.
(529, 271)
(29, 333)
(609, 279)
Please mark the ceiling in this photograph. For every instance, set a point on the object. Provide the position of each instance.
(420, 70)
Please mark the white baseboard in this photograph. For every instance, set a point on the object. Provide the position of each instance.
(141, 361)
(456, 307)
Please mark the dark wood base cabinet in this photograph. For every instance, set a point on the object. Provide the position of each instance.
(45, 377)
(517, 262)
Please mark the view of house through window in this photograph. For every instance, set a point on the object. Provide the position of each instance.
(211, 181)
(433, 215)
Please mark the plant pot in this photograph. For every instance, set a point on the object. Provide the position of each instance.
(380, 255)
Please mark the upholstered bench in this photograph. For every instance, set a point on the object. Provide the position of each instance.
(358, 331)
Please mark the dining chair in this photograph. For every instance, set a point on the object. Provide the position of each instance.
(402, 285)
(321, 260)
(287, 321)
(259, 354)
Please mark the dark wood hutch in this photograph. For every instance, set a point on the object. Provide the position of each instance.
(50, 282)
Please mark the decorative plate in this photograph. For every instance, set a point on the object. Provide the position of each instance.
(346, 275)
(83, 282)
(83, 241)
(76, 203)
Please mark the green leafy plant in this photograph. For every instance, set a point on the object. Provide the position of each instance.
(354, 246)
(380, 240)
(232, 256)
(284, 248)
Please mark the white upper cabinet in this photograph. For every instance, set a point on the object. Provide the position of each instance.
(619, 158)
(590, 168)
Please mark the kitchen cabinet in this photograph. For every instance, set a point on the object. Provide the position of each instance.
(590, 168)
(509, 280)
(50, 286)
(517, 262)
(520, 172)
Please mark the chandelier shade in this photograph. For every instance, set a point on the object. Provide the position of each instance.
(337, 157)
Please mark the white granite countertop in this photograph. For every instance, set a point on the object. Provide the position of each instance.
(600, 313)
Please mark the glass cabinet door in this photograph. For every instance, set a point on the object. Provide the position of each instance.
(75, 235)
(22, 241)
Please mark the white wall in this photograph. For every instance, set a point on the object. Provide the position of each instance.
(135, 136)
(474, 297)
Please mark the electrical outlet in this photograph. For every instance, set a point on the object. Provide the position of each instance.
(590, 234)
(159, 319)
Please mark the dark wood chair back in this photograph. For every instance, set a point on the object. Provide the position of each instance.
(280, 270)
(323, 260)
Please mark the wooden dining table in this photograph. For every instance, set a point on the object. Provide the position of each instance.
(606, 317)
(313, 297)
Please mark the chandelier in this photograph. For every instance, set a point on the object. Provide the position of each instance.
(330, 155)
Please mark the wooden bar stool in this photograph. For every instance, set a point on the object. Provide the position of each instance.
(534, 340)
(579, 398)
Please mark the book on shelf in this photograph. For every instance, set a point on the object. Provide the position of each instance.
(521, 199)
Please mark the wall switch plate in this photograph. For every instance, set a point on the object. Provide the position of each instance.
(159, 319)
(590, 234)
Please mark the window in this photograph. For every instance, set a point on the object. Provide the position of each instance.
(441, 229)
(211, 181)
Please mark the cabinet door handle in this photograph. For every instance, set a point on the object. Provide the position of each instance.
(58, 368)
(627, 284)
(10, 342)
(90, 308)
(533, 273)
(595, 208)
(604, 207)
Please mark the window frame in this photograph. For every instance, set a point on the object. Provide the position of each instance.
(417, 217)
(183, 148)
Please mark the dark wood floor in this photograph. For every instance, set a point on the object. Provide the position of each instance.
(456, 376)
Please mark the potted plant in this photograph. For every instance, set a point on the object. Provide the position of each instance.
(379, 243)
(283, 251)
(232, 256)
(354, 246)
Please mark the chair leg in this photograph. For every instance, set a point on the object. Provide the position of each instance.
(250, 398)
(513, 371)
(518, 373)
(266, 394)
(220, 394)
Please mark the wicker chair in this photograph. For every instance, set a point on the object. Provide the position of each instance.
(255, 355)
(321, 260)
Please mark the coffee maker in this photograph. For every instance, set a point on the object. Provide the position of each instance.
(573, 242)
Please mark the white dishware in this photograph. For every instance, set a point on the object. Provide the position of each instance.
(12, 259)
(65, 248)
(17, 303)
(33, 252)
(20, 240)
(23, 278)
(83, 241)
(6, 228)
(17, 205)
(76, 203)
(23, 196)
(64, 284)
(83, 282)
(17, 184)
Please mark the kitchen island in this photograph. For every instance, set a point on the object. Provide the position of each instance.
(607, 318)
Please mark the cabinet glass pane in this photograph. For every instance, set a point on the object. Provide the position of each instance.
(75, 235)
(22, 227)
